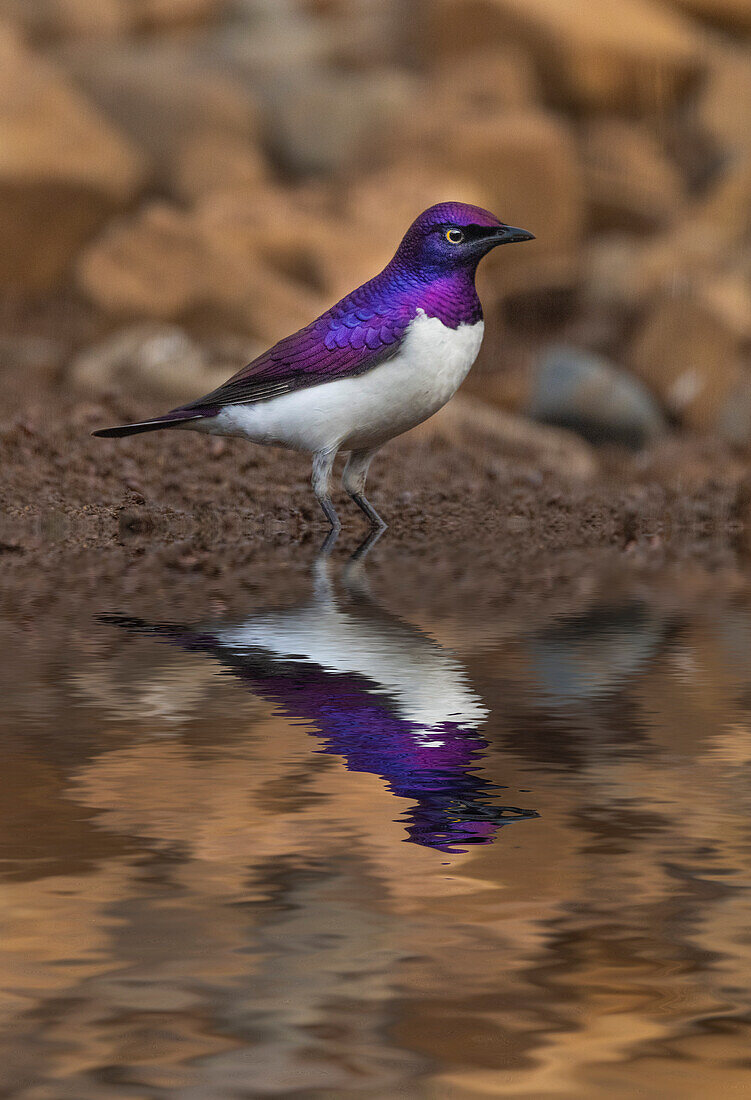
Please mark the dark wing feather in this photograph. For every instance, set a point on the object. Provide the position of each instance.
(353, 337)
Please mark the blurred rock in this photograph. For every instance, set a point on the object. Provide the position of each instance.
(587, 394)
(733, 14)
(689, 357)
(63, 169)
(48, 20)
(485, 81)
(499, 380)
(728, 297)
(377, 210)
(151, 358)
(612, 276)
(283, 227)
(527, 164)
(366, 33)
(321, 120)
(494, 435)
(531, 291)
(209, 162)
(146, 15)
(162, 96)
(35, 359)
(707, 244)
(734, 418)
(723, 110)
(170, 264)
(511, 154)
(151, 265)
(631, 55)
(629, 181)
(711, 233)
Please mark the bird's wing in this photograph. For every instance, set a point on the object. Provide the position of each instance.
(349, 339)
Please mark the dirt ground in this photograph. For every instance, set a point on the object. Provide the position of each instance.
(60, 486)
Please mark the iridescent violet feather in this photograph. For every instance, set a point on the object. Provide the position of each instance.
(362, 330)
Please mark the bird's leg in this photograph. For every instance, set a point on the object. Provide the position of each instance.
(323, 464)
(355, 473)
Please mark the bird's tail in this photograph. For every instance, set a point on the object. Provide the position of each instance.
(174, 419)
(186, 636)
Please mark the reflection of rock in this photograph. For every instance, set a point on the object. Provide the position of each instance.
(592, 655)
(261, 920)
(382, 695)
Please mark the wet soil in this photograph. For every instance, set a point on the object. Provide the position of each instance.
(60, 485)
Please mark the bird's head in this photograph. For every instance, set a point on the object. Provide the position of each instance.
(452, 235)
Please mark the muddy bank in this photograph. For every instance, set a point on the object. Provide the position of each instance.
(61, 487)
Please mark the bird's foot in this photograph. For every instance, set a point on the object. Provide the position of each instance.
(367, 508)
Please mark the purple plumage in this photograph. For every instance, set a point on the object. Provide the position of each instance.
(356, 719)
(431, 278)
(367, 327)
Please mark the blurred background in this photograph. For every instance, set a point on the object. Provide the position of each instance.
(185, 181)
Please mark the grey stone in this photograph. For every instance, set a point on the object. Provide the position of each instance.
(154, 358)
(321, 121)
(589, 395)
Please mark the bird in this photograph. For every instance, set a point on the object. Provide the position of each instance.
(377, 692)
(382, 360)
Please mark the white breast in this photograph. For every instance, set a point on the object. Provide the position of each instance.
(365, 411)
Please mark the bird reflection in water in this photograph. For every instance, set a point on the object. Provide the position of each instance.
(378, 692)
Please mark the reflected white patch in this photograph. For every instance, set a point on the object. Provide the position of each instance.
(426, 683)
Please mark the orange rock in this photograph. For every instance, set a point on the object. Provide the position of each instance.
(708, 240)
(45, 20)
(483, 81)
(629, 54)
(733, 14)
(169, 264)
(378, 209)
(728, 296)
(524, 167)
(494, 435)
(630, 183)
(63, 169)
(147, 266)
(723, 111)
(690, 358)
(209, 162)
(160, 98)
(156, 14)
(526, 162)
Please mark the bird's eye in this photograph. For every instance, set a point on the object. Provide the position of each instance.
(454, 236)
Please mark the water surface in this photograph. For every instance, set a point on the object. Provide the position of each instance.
(373, 829)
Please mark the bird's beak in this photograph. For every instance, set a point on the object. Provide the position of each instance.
(509, 234)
